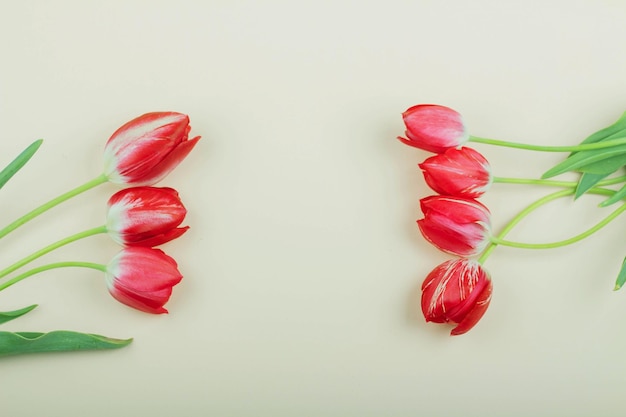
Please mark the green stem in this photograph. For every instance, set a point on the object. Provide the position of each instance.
(47, 206)
(529, 209)
(576, 148)
(536, 181)
(533, 181)
(564, 242)
(96, 230)
(43, 268)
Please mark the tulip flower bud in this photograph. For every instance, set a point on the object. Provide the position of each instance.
(147, 148)
(460, 172)
(457, 291)
(142, 278)
(433, 128)
(145, 216)
(460, 226)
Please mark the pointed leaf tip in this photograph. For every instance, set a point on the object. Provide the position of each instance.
(619, 195)
(588, 181)
(10, 315)
(55, 341)
(7, 173)
(621, 277)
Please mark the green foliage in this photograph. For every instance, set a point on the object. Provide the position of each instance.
(608, 133)
(588, 181)
(56, 341)
(19, 162)
(10, 315)
(597, 164)
(619, 195)
(596, 161)
(621, 277)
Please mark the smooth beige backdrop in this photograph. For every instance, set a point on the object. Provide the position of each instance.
(303, 262)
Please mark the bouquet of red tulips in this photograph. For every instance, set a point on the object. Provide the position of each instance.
(459, 290)
(138, 155)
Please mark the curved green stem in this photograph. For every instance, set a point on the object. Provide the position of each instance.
(536, 181)
(43, 268)
(96, 230)
(533, 181)
(55, 201)
(529, 209)
(564, 242)
(576, 148)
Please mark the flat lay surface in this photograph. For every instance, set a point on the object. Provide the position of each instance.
(303, 263)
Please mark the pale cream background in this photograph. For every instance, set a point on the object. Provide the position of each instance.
(303, 262)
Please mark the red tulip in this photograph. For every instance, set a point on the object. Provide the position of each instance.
(457, 291)
(147, 148)
(145, 216)
(461, 172)
(142, 278)
(433, 128)
(460, 226)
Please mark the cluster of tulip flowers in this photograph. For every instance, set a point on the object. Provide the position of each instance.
(139, 217)
(459, 290)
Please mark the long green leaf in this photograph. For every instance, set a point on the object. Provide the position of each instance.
(56, 341)
(579, 160)
(19, 162)
(10, 315)
(621, 277)
(605, 166)
(596, 172)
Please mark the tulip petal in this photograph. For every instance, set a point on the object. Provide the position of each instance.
(147, 123)
(142, 278)
(456, 291)
(145, 216)
(142, 157)
(147, 148)
(456, 225)
(155, 240)
(438, 291)
(476, 313)
(470, 289)
(433, 128)
(462, 243)
(170, 162)
(150, 303)
(460, 172)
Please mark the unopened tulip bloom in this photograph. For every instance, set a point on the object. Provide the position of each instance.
(461, 172)
(147, 148)
(145, 216)
(141, 152)
(460, 226)
(142, 278)
(433, 128)
(457, 291)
